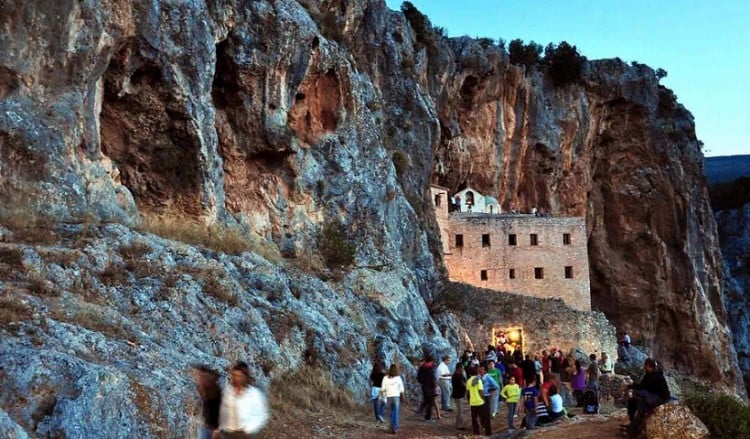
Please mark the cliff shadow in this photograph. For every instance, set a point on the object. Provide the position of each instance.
(146, 130)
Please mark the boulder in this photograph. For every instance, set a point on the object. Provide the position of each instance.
(614, 389)
(675, 420)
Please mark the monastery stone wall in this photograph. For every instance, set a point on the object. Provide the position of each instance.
(544, 257)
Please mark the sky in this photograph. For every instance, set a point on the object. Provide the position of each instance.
(703, 45)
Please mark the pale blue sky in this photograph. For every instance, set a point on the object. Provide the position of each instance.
(703, 45)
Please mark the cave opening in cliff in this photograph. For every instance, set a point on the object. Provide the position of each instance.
(508, 338)
(225, 90)
(147, 133)
(316, 107)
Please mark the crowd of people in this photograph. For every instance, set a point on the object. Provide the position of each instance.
(526, 386)
(529, 388)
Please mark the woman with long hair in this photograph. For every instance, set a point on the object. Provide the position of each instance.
(376, 383)
(578, 383)
(209, 391)
(244, 409)
(393, 386)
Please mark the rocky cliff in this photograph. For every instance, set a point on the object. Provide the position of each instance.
(734, 232)
(279, 116)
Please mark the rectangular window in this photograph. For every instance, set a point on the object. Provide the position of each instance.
(569, 272)
(512, 273)
(566, 238)
(512, 239)
(459, 240)
(437, 200)
(538, 273)
(486, 240)
(533, 239)
(483, 274)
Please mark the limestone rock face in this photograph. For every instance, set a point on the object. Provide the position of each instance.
(102, 349)
(674, 420)
(734, 233)
(614, 388)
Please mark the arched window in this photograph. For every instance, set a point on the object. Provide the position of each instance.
(470, 198)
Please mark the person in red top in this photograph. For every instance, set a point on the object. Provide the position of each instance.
(516, 372)
(545, 363)
(552, 379)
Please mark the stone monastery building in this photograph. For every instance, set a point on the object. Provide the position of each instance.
(538, 256)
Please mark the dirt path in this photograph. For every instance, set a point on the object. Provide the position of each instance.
(414, 426)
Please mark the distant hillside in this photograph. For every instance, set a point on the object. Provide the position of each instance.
(727, 168)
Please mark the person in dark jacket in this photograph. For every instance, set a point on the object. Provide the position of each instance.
(458, 383)
(426, 377)
(652, 391)
(209, 391)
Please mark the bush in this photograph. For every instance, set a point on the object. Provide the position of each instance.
(724, 415)
(400, 162)
(564, 63)
(524, 54)
(336, 249)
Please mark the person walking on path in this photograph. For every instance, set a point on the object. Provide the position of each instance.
(244, 409)
(489, 389)
(376, 381)
(511, 393)
(209, 391)
(605, 364)
(426, 378)
(530, 395)
(458, 383)
(497, 376)
(444, 381)
(393, 387)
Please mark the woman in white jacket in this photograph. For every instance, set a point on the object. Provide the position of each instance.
(244, 409)
(393, 386)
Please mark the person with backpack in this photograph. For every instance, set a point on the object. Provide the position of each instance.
(529, 396)
(511, 393)
(458, 383)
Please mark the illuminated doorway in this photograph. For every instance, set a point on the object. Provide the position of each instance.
(511, 338)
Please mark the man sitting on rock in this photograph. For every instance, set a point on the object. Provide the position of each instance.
(652, 391)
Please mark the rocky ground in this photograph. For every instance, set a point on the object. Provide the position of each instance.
(361, 425)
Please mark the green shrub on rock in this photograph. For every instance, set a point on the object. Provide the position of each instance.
(564, 63)
(725, 416)
(334, 246)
